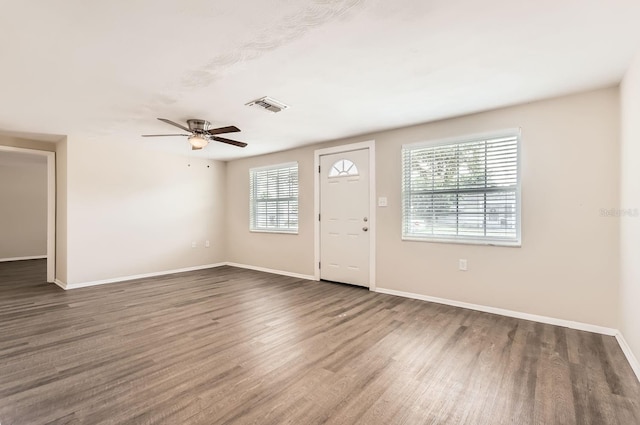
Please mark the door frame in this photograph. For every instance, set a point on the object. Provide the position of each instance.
(51, 204)
(371, 146)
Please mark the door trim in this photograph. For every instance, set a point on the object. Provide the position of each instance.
(371, 146)
(51, 204)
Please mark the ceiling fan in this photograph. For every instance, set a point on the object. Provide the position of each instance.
(201, 133)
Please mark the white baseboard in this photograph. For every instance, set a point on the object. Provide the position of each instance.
(267, 270)
(633, 361)
(32, 257)
(503, 312)
(67, 286)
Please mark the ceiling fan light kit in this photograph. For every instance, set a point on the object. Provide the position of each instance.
(198, 142)
(201, 133)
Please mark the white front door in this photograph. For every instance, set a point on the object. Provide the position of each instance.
(344, 217)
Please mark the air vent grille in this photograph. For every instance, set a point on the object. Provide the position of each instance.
(268, 104)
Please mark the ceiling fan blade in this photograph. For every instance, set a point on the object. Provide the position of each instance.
(164, 135)
(229, 141)
(230, 129)
(175, 124)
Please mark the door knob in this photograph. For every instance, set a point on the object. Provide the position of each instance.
(365, 228)
(365, 219)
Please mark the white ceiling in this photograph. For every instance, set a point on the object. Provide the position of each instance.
(107, 69)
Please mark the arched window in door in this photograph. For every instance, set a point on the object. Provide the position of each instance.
(343, 167)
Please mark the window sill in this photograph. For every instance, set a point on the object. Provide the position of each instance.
(507, 244)
(284, 232)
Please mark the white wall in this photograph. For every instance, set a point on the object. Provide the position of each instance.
(23, 205)
(133, 211)
(567, 266)
(630, 202)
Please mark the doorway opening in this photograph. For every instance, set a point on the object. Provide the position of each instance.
(51, 204)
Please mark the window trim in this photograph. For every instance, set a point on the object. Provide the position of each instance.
(252, 228)
(469, 240)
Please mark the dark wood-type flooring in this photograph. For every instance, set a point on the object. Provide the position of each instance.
(233, 346)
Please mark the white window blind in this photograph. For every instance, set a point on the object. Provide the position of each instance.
(466, 191)
(274, 198)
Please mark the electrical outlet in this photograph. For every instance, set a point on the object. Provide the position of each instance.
(194, 244)
(207, 244)
(462, 265)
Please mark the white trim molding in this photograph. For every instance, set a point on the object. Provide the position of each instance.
(60, 283)
(503, 312)
(267, 270)
(67, 286)
(631, 358)
(371, 146)
(51, 216)
(31, 257)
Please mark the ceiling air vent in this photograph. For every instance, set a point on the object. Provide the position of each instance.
(267, 104)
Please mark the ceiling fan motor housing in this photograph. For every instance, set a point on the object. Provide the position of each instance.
(199, 126)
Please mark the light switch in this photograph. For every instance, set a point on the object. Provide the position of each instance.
(462, 264)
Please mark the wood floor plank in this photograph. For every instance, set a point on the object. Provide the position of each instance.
(234, 346)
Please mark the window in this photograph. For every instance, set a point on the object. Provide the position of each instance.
(343, 167)
(465, 191)
(273, 196)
